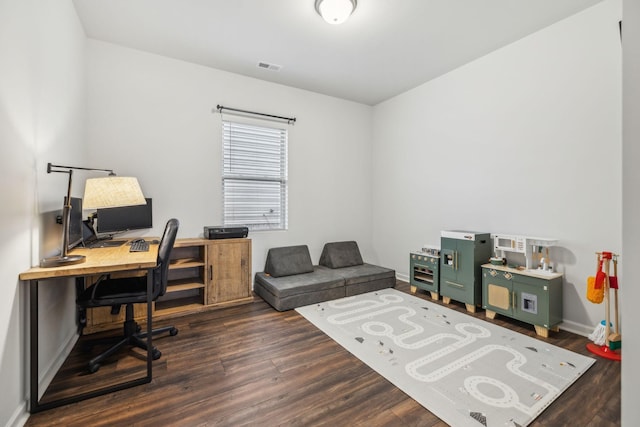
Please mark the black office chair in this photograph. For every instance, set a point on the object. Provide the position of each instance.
(128, 291)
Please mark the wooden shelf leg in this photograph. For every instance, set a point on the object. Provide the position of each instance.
(542, 331)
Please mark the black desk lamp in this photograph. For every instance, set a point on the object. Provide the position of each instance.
(107, 192)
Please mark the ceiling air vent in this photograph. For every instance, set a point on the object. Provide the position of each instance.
(267, 66)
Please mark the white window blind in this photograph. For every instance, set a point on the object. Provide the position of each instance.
(254, 176)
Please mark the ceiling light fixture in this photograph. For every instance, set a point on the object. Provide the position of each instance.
(335, 11)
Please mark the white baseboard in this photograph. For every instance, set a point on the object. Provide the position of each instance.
(576, 328)
(402, 277)
(50, 371)
(21, 414)
(19, 417)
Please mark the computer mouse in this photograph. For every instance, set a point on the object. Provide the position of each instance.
(155, 242)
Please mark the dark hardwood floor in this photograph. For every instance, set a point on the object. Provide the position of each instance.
(252, 365)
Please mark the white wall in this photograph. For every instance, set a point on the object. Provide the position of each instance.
(526, 140)
(151, 116)
(631, 212)
(41, 120)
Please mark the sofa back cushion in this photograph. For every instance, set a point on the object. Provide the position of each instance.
(288, 260)
(340, 254)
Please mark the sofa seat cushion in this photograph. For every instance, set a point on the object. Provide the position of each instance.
(288, 261)
(299, 300)
(340, 254)
(363, 273)
(281, 287)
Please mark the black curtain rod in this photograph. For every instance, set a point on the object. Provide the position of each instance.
(289, 120)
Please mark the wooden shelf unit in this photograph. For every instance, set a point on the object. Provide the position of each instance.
(203, 274)
(186, 287)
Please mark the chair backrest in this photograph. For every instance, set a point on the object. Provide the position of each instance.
(161, 272)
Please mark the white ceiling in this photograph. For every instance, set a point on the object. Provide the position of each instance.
(385, 48)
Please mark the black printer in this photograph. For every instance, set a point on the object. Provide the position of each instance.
(220, 232)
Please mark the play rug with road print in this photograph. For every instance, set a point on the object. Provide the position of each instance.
(466, 371)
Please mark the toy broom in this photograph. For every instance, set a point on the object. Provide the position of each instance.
(604, 328)
(615, 339)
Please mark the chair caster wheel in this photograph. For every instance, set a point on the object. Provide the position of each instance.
(156, 354)
(93, 367)
(173, 332)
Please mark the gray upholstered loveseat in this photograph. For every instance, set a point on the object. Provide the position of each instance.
(290, 279)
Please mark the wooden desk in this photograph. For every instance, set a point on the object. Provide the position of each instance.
(98, 261)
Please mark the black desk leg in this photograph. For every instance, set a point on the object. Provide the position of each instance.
(149, 321)
(34, 400)
(81, 313)
(33, 346)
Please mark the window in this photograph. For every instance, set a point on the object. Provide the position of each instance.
(254, 176)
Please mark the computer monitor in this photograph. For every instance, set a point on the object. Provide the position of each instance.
(117, 220)
(75, 222)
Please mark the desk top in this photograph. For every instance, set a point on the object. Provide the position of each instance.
(98, 261)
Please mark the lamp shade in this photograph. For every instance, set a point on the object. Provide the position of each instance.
(112, 192)
(335, 11)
